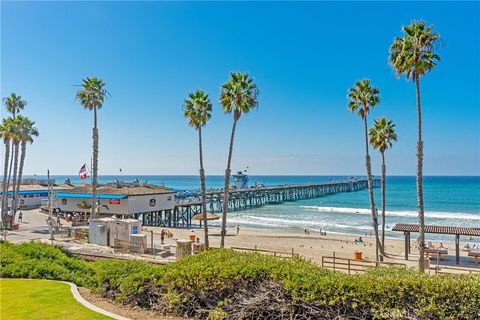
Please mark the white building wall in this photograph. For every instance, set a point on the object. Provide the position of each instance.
(131, 205)
(106, 206)
(143, 203)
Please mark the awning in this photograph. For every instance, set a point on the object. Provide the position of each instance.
(407, 227)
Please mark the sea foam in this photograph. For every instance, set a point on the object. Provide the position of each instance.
(399, 213)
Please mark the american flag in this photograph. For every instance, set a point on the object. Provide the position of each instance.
(83, 172)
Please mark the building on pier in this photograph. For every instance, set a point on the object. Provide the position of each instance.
(125, 200)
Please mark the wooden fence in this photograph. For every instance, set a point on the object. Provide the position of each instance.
(278, 254)
(353, 265)
(453, 270)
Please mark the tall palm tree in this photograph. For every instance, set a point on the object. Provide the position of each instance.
(239, 95)
(16, 139)
(91, 96)
(27, 131)
(414, 55)
(14, 104)
(198, 110)
(382, 136)
(363, 97)
(6, 132)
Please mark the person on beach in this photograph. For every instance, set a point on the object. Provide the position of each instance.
(20, 217)
(162, 236)
(238, 229)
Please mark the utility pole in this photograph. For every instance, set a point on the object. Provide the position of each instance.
(50, 205)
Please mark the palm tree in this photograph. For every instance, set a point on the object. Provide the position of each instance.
(6, 132)
(363, 97)
(239, 95)
(414, 55)
(14, 104)
(382, 136)
(16, 138)
(26, 133)
(91, 96)
(198, 110)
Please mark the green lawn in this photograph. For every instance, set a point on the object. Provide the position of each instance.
(41, 299)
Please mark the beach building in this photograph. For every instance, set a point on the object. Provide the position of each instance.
(117, 199)
(34, 192)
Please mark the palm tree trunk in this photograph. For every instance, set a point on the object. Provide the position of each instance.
(202, 184)
(12, 152)
(94, 213)
(421, 217)
(370, 191)
(11, 165)
(14, 181)
(20, 170)
(227, 184)
(384, 173)
(4, 181)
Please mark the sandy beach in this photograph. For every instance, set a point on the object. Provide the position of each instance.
(312, 246)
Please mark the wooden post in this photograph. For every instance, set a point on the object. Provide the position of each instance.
(348, 266)
(292, 254)
(406, 245)
(322, 261)
(457, 248)
(151, 241)
(438, 261)
(333, 260)
(409, 243)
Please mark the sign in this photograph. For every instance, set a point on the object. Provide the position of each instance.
(114, 201)
(153, 202)
(134, 229)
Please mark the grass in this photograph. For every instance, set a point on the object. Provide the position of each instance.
(41, 299)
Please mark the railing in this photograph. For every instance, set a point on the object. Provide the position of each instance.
(278, 254)
(123, 245)
(454, 270)
(353, 265)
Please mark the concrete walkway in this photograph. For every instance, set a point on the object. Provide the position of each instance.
(90, 306)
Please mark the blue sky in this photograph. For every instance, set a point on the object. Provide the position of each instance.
(303, 56)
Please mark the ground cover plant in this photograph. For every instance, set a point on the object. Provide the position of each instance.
(222, 284)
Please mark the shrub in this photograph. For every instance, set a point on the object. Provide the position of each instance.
(222, 284)
(41, 261)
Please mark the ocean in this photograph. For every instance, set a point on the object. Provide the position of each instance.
(449, 200)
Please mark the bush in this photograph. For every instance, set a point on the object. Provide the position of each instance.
(41, 261)
(222, 284)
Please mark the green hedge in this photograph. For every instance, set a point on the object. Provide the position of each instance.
(214, 281)
(41, 261)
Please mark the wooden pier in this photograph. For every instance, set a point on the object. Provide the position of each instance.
(244, 199)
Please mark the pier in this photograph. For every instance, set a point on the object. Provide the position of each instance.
(244, 199)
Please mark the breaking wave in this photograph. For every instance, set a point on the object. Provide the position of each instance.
(399, 213)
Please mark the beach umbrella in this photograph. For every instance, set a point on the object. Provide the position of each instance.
(210, 216)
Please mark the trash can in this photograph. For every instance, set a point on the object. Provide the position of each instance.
(357, 255)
